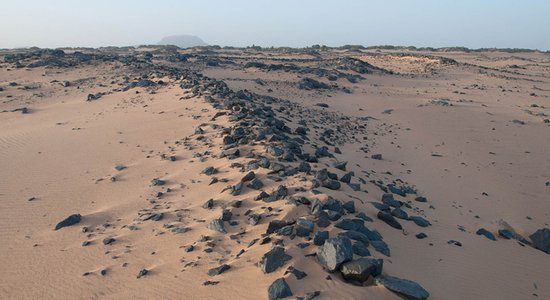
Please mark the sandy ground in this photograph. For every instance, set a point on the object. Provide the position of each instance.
(480, 157)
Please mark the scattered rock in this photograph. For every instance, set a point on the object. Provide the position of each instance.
(541, 240)
(389, 219)
(279, 289)
(273, 259)
(218, 270)
(487, 234)
(335, 252)
(217, 225)
(142, 273)
(70, 220)
(359, 270)
(406, 288)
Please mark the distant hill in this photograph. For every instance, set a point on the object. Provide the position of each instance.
(182, 41)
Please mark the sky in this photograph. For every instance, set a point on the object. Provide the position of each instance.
(294, 23)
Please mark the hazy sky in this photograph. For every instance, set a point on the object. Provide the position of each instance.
(437, 23)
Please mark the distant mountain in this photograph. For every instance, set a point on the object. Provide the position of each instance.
(183, 41)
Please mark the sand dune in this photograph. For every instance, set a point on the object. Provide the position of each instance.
(125, 141)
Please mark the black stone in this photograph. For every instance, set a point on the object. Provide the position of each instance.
(335, 252)
(389, 219)
(70, 220)
(218, 270)
(541, 240)
(406, 288)
(359, 271)
(279, 289)
(273, 259)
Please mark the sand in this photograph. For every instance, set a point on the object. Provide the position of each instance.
(476, 166)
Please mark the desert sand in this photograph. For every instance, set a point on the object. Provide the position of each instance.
(138, 140)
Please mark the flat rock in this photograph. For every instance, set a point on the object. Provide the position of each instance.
(406, 288)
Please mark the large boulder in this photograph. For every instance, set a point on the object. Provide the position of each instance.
(335, 252)
(410, 290)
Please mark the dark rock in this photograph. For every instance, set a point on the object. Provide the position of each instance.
(421, 199)
(322, 152)
(108, 240)
(486, 233)
(399, 213)
(376, 156)
(320, 237)
(346, 178)
(541, 240)
(304, 167)
(335, 252)
(340, 165)
(226, 215)
(217, 225)
(142, 273)
(210, 171)
(208, 204)
(349, 206)
(346, 224)
(275, 225)
(286, 231)
(505, 233)
(279, 289)
(454, 242)
(311, 295)
(254, 219)
(389, 200)
(364, 217)
(158, 182)
(249, 176)
(389, 219)
(256, 184)
(307, 83)
(218, 270)
(70, 220)
(360, 270)
(236, 189)
(357, 236)
(381, 247)
(381, 206)
(420, 221)
(299, 274)
(360, 249)
(273, 259)
(263, 195)
(332, 184)
(406, 288)
(189, 248)
(304, 227)
(421, 235)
